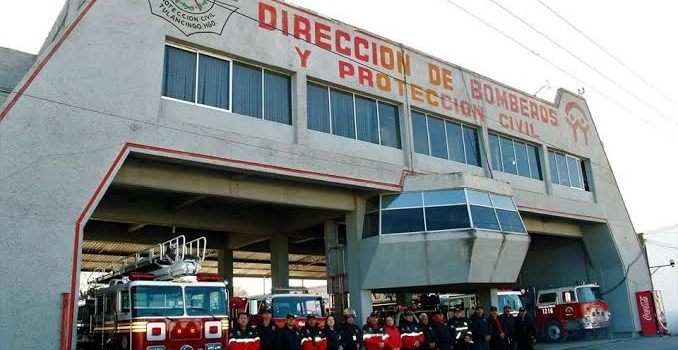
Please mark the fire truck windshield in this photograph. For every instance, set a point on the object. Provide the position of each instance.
(588, 294)
(163, 301)
(296, 305)
(205, 301)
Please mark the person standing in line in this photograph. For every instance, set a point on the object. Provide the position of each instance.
(374, 335)
(243, 337)
(480, 327)
(350, 332)
(508, 322)
(462, 338)
(332, 334)
(410, 332)
(524, 330)
(497, 331)
(312, 337)
(442, 331)
(267, 330)
(392, 341)
(430, 341)
(289, 337)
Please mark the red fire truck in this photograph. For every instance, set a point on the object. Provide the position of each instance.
(157, 299)
(572, 309)
(281, 302)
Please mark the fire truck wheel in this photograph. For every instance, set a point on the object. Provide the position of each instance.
(554, 332)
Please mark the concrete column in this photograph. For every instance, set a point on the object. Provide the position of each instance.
(336, 266)
(225, 267)
(360, 299)
(280, 272)
(485, 150)
(546, 168)
(299, 113)
(488, 297)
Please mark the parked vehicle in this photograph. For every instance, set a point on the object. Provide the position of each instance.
(281, 302)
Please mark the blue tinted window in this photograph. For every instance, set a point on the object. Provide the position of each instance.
(179, 74)
(533, 159)
(366, 119)
(419, 132)
(247, 99)
(444, 197)
(508, 156)
(471, 145)
(553, 167)
(495, 152)
(402, 220)
(503, 202)
(277, 98)
(574, 167)
(522, 159)
(562, 169)
(389, 125)
(484, 218)
(371, 224)
(447, 218)
(403, 200)
(318, 108)
(455, 142)
(214, 82)
(478, 198)
(343, 123)
(436, 132)
(510, 221)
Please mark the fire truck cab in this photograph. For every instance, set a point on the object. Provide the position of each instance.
(566, 310)
(281, 302)
(158, 300)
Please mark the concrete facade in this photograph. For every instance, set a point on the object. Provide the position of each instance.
(93, 99)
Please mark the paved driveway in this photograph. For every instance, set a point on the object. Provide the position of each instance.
(654, 343)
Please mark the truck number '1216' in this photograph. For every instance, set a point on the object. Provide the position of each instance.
(547, 310)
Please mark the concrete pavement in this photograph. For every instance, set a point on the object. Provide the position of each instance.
(653, 343)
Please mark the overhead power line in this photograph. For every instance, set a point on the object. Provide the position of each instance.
(608, 53)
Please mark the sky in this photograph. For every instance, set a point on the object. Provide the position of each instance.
(639, 128)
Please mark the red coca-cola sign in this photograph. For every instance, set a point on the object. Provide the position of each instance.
(648, 322)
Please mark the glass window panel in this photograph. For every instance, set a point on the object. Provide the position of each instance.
(575, 177)
(247, 99)
(436, 132)
(508, 156)
(366, 119)
(444, 197)
(495, 151)
(420, 133)
(214, 81)
(447, 218)
(510, 221)
(371, 224)
(553, 167)
(277, 98)
(403, 200)
(455, 142)
(478, 198)
(318, 108)
(179, 74)
(343, 123)
(472, 149)
(562, 169)
(533, 159)
(522, 159)
(484, 218)
(584, 176)
(503, 202)
(402, 220)
(389, 125)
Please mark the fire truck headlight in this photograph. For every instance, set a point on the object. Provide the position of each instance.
(155, 347)
(214, 346)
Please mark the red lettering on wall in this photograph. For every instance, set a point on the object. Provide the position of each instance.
(360, 44)
(387, 57)
(322, 36)
(432, 97)
(417, 93)
(553, 117)
(345, 69)
(267, 16)
(524, 109)
(505, 121)
(342, 37)
(513, 102)
(303, 56)
(285, 23)
(383, 82)
(365, 76)
(302, 28)
(475, 90)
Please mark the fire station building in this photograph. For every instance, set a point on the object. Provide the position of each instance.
(301, 147)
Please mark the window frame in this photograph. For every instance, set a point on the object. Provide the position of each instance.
(445, 120)
(527, 144)
(581, 164)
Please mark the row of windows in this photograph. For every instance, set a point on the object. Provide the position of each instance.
(207, 80)
(445, 139)
(427, 211)
(349, 115)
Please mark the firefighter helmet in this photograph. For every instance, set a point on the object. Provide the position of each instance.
(348, 312)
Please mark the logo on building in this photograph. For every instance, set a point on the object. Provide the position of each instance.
(578, 121)
(645, 305)
(194, 16)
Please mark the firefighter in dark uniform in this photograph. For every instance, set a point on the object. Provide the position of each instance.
(410, 333)
(374, 335)
(311, 334)
(497, 331)
(350, 333)
(508, 322)
(288, 337)
(524, 331)
(430, 338)
(267, 330)
(480, 327)
(442, 331)
(462, 337)
(242, 335)
(333, 334)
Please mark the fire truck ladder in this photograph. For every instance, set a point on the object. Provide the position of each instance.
(166, 260)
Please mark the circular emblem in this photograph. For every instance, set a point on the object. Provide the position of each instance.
(195, 6)
(186, 347)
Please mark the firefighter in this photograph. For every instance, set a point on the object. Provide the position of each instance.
(288, 337)
(373, 334)
(430, 339)
(350, 332)
(333, 334)
(243, 337)
(524, 331)
(410, 332)
(508, 322)
(267, 330)
(312, 337)
(461, 331)
(497, 331)
(480, 327)
(442, 331)
(393, 340)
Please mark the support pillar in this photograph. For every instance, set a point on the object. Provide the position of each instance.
(225, 267)
(335, 251)
(280, 263)
(488, 297)
(360, 299)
